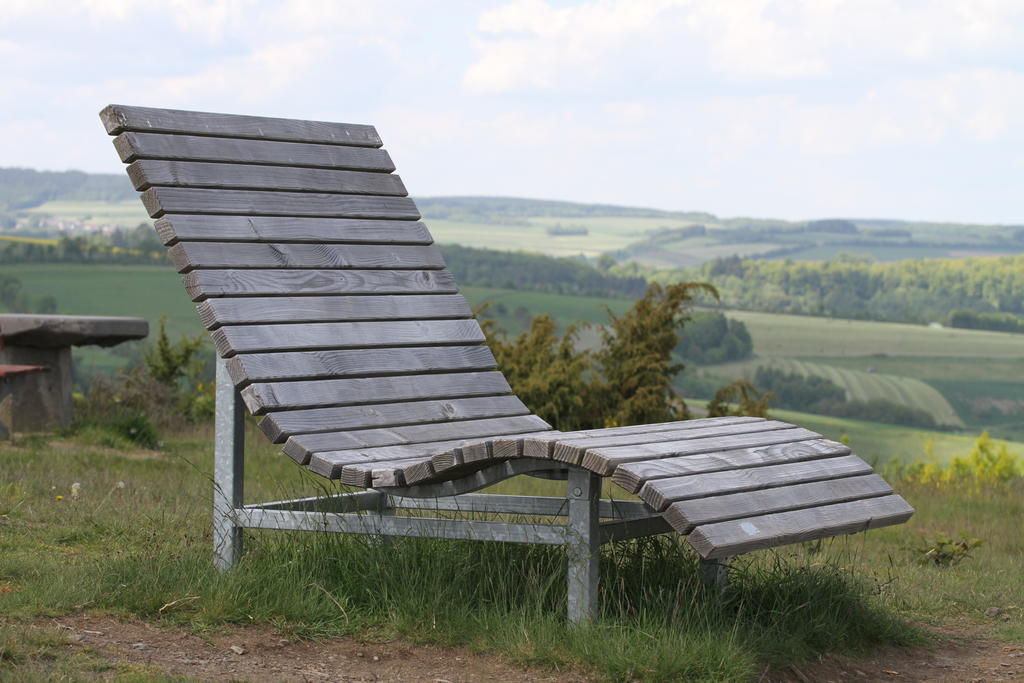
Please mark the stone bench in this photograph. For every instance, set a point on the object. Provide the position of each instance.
(44, 402)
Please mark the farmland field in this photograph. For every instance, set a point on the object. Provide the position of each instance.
(128, 213)
(859, 386)
(984, 367)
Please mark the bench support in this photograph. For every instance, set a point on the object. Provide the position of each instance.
(372, 512)
(228, 469)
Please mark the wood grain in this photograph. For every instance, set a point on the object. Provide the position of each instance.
(632, 475)
(307, 365)
(146, 173)
(727, 539)
(323, 446)
(232, 339)
(687, 514)
(261, 397)
(280, 425)
(134, 146)
(284, 282)
(309, 309)
(118, 118)
(193, 227)
(659, 493)
(187, 256)
(545, 448)
(161, 200)
(603, 461)
(574, 450)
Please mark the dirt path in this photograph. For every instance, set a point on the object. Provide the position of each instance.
(958, 656)
(258, 654)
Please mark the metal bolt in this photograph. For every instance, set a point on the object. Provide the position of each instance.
(577, 492)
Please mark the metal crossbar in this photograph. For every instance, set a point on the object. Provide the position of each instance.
(372, 512)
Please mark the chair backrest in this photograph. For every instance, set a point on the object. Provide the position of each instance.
(319, 285)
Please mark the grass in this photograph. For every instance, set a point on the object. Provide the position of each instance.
(879, 442)
(130, 551)
(799, 336)
(859, 385)
(127, 213)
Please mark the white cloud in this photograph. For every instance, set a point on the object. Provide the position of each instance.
(531, 45)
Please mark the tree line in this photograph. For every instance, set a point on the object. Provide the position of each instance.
(917, 291)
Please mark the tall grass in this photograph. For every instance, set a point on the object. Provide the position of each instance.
(144, 551)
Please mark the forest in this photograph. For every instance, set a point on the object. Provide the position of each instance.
(914, 291)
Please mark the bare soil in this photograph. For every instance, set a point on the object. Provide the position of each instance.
(257, 653)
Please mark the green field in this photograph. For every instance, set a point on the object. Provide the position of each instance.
(797, 336)
(603, 234)
(859, 386)
(969, 367)
(127, 213)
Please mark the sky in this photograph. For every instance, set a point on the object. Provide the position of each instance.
(790, 109)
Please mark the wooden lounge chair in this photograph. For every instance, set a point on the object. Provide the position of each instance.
(334, 318)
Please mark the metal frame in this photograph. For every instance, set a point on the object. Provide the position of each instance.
(372, 512)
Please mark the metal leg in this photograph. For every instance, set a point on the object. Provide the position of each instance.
(228, 467)
(583, 544)
(715, 572)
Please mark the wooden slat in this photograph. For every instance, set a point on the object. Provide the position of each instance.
(513, 447)
(659, 493)
(187, 256)
(147, 173)
(133, 146)
(311, 309)
(574, 450)
(174, 227)
(261, 397)
(231, 339)
(118, 118)
(240, 282)
(388, 473)
(603, 461)
(545, 448)
(280, 425)
(322, 445)
(687, 514)
(726, 539)
(161, 200)
(255, 367)
(632, 475)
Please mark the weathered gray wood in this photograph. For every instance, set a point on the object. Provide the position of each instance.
(575, 450)
(357, 363)
(625, 529)
(147, 173)
(605, 460)
(187, 256)
(324, 445)
(687, 514)
(659, 493)
(726, 539)
(133, 146)
(309, 309)
(632, 475)
(514, 447)
(118, 118)
(174, 227)
(161, 200)
(545, 448)
(231, 339)
(280, 425)
(476, 479)
(499, 448)
(261, 397)
(239, 282)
